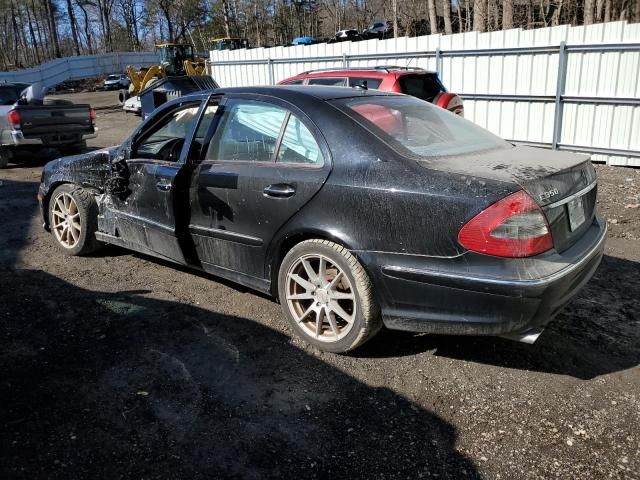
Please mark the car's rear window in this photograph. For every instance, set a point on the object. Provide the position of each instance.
(417, 128)
(425, 87)
(8, 96)
(359, 81)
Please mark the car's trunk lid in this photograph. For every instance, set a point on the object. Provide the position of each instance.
(562, 183)
(50, 120)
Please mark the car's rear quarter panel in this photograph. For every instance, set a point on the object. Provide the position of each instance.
(376, 200)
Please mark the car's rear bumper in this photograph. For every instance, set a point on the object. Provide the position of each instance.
(16, 138)
(480, 295)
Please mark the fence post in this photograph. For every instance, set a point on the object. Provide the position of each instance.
(560, 86)
(438, 67)
(270, 72)
(345, 63)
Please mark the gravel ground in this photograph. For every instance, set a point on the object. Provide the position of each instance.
(122, 366)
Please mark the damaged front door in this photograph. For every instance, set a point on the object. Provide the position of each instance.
(145, 215)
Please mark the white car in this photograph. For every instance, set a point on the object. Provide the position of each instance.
(116, 81)
(132, 105)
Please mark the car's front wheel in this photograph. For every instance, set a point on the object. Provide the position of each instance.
(327, 296)
(73, 219)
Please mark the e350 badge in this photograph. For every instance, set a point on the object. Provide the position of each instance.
(548, 194)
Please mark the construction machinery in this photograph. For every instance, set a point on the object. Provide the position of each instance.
(229, 43)
(175, 59)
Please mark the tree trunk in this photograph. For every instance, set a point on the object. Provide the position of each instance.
(53, 28)
(39, 30)
(34, 41)
(29, 50)
(16, 41)
(588, 12)
(87, 28)
(433, 19)
(74, 32)
(395, 17)
(599, 10)
(624, 11)
(480, 15)
(225, 14)
(446, 13)
(607, 11)
(460, 24)
(257, 19)
(507, 14)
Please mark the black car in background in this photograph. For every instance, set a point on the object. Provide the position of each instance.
(355, 208)
(380, 29)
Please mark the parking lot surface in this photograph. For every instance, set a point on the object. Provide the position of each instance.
(122, 366)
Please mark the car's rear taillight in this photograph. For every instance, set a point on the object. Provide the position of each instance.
(13, 119)
(450, 101)
(92, 116)
(512, 227)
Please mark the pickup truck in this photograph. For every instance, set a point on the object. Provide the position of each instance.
(32, 124)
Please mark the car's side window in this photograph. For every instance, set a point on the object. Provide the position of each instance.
(164, 141)
(298, 144)
(248, 132)
(333, 81)
(294, 82)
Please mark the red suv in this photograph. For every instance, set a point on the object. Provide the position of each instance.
(412, 81)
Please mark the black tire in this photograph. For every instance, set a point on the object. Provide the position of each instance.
(123, 96)
(88, 210)
(5, 156)
(367, 320)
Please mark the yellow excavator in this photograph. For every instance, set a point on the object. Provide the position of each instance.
(176, 59)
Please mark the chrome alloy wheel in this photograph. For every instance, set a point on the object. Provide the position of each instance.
(321, 298)
(65, 220)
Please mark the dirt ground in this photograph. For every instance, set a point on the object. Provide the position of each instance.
(122, 366)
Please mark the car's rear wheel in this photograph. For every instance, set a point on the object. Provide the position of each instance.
(5, 156)
(73, 218)
(327, 296)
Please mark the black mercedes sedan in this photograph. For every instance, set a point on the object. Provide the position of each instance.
(355, 208)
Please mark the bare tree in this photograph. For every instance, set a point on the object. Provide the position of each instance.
(588, 11)
(53, 27)
(480, 15)
(74, 32)
(395, 17)
(433, 19)
(225, 13)
(446, 13)
(507, 14)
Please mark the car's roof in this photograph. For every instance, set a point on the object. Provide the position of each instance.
(375, 72)
(290, 92)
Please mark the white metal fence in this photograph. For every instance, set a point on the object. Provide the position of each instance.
(72, 68)
(571, 88)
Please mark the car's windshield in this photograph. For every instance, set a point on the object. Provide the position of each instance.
(417, 128)
(113, 77)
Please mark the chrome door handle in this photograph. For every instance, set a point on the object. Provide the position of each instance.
(163, 186)
(279, 190)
